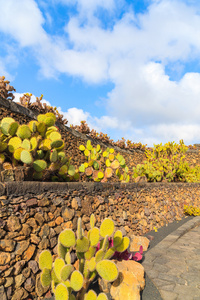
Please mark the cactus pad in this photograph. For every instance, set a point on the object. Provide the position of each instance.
(65, 272)
(61, 292)
(99, 255)
(89, 171)
(124, 244)
(61, 250)
(76, 281)
(90, 253)
(107, 227)
(92, 264)
(53, 155)
(39, 165)
(71, 170)
(94, 236)
(54, 135)
(110, 252)
(45, 260)
(107, 270)
(24, 132)
(26, 144)
(12, 128)
(102, 296)
(117, 238)
(67, 238)
(45, 277)
(68, 258)
(3, 146)
(82, 168)
(115, 164)
(108, 172)
(58, 265)
(100, 175)
(26, 157)
(14, 143)
(49, 121)
(57, 143)
(17, 153)
(82, 148)
(91, 295)
(82, 245)
(92, 221)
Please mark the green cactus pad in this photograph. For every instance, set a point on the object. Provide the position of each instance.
(108, 162)
(68, 258)
(119, 157)
(61, 292)
(14, 143)
(108, 172)
(115, 164)
(102, 296)
(49, 121)
(107, 227)
(17, 153)
(92, 264)
(82, 245)
(117, 238)
(2, 158)
(68, 285)
(33, 126)
(4, 128)
(96, 165)
(24, 132)
(90, 253)
(34, 143)
(39, 165)
(76, 281)
(37, 175)
(65, 272)
(99, 255)
(107, 270)
(52, 115)
(61, 155)
(3, 146)
(82, 168)
(124, 244)
(54, 136)
(57, 143)
(26, 157)
(92, 221)
(26, 144)
(71, 171)
(105, 154)
(63, 170)
(94, 236)
(109, 253)
(45, 145)
(7, 120)
(59, 263)
(41, 118)
(12, 128)
(91, 295)
(41, 128)
(61, 250)
(45, 277)
(53, 155)
(54, 277)
(45, 260)
(67, 238)
(122, 163)
(82, 148)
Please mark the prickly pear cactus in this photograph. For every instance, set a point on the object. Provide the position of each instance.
(37, 144)
(100, 166)
(93, 254)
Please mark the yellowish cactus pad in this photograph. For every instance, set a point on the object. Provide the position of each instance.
(45, 260)
(107, 227)
(67, 238)
(61, 292)
(107, 270)
(76, 281)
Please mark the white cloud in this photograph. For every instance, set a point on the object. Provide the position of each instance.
(22, 20)
(133, 55)
(75, 115)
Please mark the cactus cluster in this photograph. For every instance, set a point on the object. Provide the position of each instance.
(93, 254)
(37, 144)
(6, 90)
(191, 210)
(101, 165)
(167, 162)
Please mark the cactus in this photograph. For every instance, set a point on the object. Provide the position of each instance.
(23, 132)
(94, 259)
(39, 145)
(100, 165)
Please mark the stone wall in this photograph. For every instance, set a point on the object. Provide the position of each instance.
(32, 214)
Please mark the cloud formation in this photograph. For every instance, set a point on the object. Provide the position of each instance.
(136, 54)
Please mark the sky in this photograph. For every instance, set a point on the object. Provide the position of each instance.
(128, 68)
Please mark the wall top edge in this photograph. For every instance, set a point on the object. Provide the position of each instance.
(34, 187)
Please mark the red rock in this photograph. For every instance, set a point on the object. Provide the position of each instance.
(29, 252)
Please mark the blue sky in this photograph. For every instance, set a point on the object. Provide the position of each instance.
(129, 68)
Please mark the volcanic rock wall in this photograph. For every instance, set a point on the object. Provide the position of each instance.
(32, 215)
